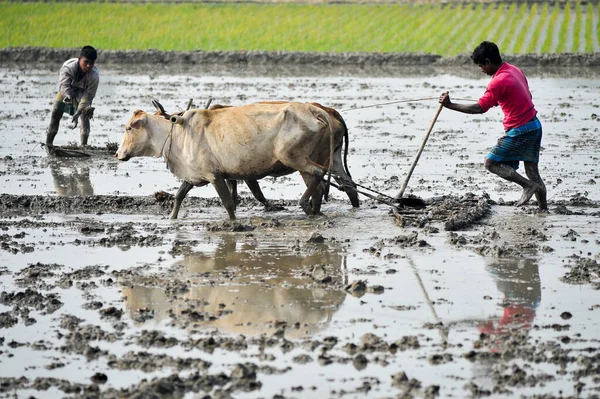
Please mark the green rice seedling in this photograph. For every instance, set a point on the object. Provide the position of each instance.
(427, 24)
(597, 33)
(589, 23)
(470, 34)
(564, 33)
(499, 18)
(522, 39)
(441, 31)
(444, 29)
(548, 45)
(577, 18)
(540, 32)
(414, 20)
(507, 29)
(451, 45)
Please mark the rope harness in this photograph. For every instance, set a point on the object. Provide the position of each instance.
(384, 198)
(402, 101)
(162, 154)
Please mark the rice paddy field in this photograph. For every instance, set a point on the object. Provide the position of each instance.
(446, 29)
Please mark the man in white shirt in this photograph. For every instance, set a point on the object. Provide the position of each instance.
(77, 85)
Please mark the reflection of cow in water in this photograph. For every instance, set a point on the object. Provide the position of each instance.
(71, 177)
(266, 288)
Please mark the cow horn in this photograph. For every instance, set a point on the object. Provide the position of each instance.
(176, 119)
(158, 106)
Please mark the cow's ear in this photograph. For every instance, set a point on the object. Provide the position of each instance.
(138, 123)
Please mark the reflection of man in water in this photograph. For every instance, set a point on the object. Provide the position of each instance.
(71, 178)
(519, 281)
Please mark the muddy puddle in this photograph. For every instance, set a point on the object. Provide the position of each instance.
(103, 295)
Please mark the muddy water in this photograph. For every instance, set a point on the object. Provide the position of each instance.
(102, 292)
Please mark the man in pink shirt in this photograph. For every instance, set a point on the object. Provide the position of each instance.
(522, 129)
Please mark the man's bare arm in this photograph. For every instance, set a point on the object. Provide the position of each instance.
(464, 108)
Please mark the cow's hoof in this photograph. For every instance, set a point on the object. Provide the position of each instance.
(307, 209)
(274, 208)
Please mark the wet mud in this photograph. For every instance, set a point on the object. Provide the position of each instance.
(102, 295)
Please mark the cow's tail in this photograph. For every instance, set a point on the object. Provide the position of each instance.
(329, 122)
(346, 141)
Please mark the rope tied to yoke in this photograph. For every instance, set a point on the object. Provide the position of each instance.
(402, 101)
(162, 154)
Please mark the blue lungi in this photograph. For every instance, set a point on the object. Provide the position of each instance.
(519, 144)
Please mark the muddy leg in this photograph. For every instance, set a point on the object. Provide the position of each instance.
(258, 194)
(531, 169)
(311, 172)
(232, 186)
(56, 114)
(181, 193)
(84, 130)
(311, 187)
(316, 199)
(87, 113)
(350, 189)
(225, 196)
(508, 173)
(345, 182)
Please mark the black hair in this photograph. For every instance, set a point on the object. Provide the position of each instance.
(486, 50)
(89, 52)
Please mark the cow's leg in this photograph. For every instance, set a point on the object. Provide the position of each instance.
(312, 183)
(232, 186)
(181, 193)
(350, 189)
(312, 173)
(258, 194)
(342, 178)
(317, 196)
(225, 196)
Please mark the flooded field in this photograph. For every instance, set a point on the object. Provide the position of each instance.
(100, 292)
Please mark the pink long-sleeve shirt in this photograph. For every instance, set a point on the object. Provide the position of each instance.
(509, 89)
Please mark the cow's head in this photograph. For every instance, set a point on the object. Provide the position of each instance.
(136, 140)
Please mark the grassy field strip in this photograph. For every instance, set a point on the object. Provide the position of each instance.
(552, 32)
(507, 28)
(409, 24)
(596, 28)
(447, 21)
(438, 28)
(376, 31)
(522, 27)
(427, 24)
(452, 40)
(535, 42)
(467, 38)
(499, 18)
(523, 38)
(588, 27)
(535, 46)
(576, 44)
(563, 39)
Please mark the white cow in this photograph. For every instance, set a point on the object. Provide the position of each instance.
(243, 143)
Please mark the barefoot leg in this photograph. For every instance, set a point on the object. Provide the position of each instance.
(531, 169)
(508, 173)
